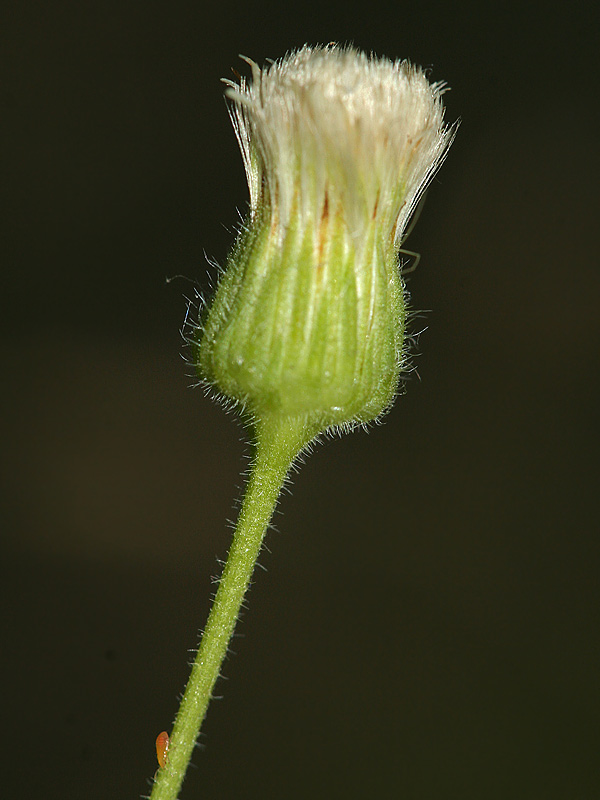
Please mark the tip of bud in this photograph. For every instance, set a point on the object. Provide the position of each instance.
(332, 122)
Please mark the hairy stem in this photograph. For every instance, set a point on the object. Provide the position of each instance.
(278, 443)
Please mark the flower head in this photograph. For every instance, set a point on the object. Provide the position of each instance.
(308, 320)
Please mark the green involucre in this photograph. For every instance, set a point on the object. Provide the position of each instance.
(308, 326)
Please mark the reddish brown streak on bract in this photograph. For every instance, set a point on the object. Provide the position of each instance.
(322, 232)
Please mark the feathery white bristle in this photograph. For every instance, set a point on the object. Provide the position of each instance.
(331, 125)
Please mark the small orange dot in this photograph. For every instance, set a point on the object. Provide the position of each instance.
(162, 747)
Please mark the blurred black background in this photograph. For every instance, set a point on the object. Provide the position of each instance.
(428, 624)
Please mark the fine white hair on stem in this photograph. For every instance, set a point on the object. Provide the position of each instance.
(331, 130)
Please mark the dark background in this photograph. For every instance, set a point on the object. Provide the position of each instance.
(428, 624)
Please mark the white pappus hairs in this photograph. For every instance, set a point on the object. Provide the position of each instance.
(332, 128)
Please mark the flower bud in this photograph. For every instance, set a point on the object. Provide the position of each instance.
(308, 319)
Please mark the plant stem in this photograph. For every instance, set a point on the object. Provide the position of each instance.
(278, 443)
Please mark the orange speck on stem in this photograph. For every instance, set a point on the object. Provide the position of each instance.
(162, 747)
